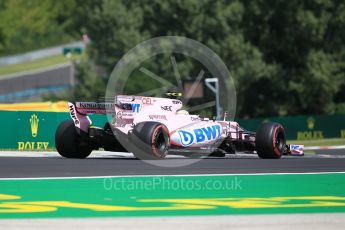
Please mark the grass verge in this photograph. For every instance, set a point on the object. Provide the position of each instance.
(320, 142)
(35, 64)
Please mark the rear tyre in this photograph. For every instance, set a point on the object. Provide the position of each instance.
(151, 140)
(68, 142)
(270, 140)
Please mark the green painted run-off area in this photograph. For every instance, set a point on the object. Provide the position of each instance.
(172, 195)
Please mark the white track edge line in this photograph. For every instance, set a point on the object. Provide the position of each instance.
(325, 147)
(182, 175)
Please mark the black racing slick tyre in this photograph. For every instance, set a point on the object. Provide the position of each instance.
(270, 140)
(68, 142)
(151, 140)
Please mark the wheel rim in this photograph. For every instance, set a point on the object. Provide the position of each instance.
(280, 140)
(160, 142)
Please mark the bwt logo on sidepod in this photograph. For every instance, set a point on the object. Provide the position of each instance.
(199, 135)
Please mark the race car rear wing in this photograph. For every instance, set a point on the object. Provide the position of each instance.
(95, 107)
(80, 110)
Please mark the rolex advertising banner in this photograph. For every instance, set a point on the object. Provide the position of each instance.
(33, 130)
(29, 130)
(304, 127)
(37, 135)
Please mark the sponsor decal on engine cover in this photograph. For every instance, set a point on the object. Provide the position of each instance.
(176, 102)
(135, 108)
(166, 108)
(195, 118)
(95, 105)
(147, 101)
(124, 114)
(157, 117)
(199, 135)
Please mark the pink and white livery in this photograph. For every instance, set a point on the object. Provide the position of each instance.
(152, 127)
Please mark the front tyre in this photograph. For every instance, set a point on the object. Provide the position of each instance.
(270, 140)
(68, 142)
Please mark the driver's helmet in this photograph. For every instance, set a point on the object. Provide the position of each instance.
(182, 112)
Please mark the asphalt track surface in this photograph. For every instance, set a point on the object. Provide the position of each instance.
(56, 166)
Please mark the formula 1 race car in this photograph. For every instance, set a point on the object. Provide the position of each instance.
(152, 127)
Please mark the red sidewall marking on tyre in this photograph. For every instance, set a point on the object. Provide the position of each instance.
(153, 147)
(275, 149)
